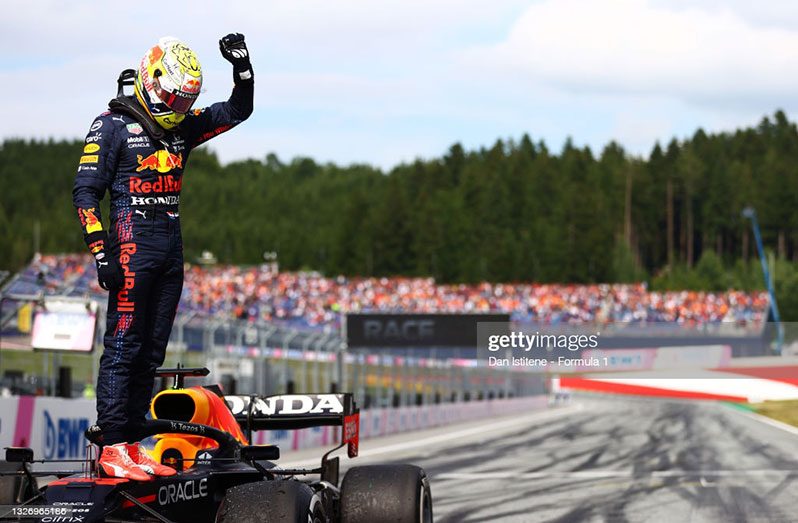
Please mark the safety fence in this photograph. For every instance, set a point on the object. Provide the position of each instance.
(54, 427)
(270, 358)
(245, 357)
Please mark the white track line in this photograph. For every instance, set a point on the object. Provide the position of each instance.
(579, 474)
(767, 421)
(448, 436)
(611, 474)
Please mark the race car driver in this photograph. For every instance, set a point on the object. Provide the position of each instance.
(137, 151)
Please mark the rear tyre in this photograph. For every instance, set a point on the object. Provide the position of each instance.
(267, 501)
(389, 493)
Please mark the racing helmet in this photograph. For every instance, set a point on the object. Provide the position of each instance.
(168, 81)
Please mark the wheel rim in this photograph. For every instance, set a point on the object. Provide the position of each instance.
(425, 507)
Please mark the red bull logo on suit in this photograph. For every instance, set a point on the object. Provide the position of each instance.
(124, 303)
(161, 161)
(161, 184)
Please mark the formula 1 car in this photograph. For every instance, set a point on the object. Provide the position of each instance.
(221, 477)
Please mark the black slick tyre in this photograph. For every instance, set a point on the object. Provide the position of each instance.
(268, 501)
(386, 493)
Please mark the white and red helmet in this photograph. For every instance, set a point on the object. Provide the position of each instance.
(168, 81)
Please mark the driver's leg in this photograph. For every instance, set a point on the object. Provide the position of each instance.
(123, 340)
(161, 309)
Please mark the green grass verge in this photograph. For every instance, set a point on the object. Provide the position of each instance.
(740, 406)
(785, 411)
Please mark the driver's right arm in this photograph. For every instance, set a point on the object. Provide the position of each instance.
(96, 172)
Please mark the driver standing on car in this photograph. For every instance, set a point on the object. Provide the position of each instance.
(137, 152)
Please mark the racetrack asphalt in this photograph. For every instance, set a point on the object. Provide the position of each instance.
(603, 459)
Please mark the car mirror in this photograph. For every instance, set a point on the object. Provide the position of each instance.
(19, 454)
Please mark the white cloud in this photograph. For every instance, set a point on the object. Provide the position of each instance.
(346, 67)
(357, 80)
(767, 13)
(346, 29)
(639, 47)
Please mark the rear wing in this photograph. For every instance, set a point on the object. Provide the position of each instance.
(299, 411)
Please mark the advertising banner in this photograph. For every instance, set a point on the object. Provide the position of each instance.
(416, 330)
(65, 326)
(52, 427)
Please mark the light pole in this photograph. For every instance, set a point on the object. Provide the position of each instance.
(750, 213)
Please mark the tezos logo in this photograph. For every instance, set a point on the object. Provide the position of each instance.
(187, 427)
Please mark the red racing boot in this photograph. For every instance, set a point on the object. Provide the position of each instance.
(140, 457)
(116, 463)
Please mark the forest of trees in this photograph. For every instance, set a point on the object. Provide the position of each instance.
(514, 211)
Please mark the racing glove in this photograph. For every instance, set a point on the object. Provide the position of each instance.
(109, 273)
(235, 51)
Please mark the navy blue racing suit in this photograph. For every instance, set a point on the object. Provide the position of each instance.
(144, 177)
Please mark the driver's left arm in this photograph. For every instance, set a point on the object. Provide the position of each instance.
(201, 125)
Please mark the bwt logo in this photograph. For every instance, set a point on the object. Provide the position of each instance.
(410, 330)
(63, 437)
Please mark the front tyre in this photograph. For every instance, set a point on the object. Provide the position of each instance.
(269, 501)
(389, 493)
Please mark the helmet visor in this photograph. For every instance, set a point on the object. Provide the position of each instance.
(177, 100)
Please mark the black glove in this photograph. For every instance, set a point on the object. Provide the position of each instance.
(109, 273)
(235, 51)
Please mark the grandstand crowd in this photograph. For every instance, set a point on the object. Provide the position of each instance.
(308, 299)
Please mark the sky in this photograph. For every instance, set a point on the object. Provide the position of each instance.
(385, 82)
